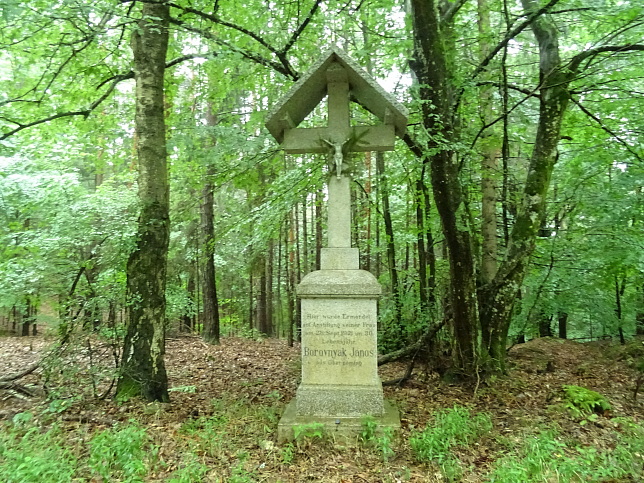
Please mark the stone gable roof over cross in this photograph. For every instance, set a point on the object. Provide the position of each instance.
(335, 74)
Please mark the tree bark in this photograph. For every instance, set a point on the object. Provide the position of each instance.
(391, 246)
(270, 258)
(209, 285)
(432, 69)
(498, 297)
(639, 314)
(562, 320)
(211, 329)
(620, 288)
(142, 369)
(490, 152)
(318, 228)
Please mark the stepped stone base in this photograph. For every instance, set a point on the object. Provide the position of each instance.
(349, 401)
(347, 428)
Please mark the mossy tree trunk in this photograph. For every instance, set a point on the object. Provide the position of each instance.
(492, 310)
(498, 296)
(143, 370)
(432, 68)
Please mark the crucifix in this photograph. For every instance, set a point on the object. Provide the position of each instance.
(339, 302)
(336, 76)
(338, 139)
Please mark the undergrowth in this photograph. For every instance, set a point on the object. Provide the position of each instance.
(546, 457)
(29, 453)
(452, 428)
(581, 401)
(220, 446)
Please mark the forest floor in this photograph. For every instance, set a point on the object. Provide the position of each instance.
(226, 402)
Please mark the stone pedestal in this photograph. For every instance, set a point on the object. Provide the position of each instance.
(340, 382)
(339, 302)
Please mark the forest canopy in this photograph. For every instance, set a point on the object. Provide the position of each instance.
(140, 191)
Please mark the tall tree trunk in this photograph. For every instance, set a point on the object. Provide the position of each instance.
(211, 329)
(318, 228)
(391, 246)
(620, 288)
(269, 287)
(27, 316)
(425, 244)
(639, 314)
(432, 69)
(545, 324)
(262, 323)
(209, 285)
(251, 300)
(290, 279)
(305, 237)
(562, 320)
(422, 250)
(367, 213)
(490, 152)
(498, 297)
(143, 369)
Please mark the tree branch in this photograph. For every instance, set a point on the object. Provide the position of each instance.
(84, 113)
(510, 35)
(429, 334)
(301, 28)
(20, 375)
(244, 53)
(450, 10)
(605, 128)
(528, 94)
(216, 19)
(413, 146)
(576, 61)
(115, 80)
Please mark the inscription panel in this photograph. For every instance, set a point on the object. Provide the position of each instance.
(339, 342)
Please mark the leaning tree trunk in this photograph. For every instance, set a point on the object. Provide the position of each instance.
(432, 70)
(498, 296)
(143, 369)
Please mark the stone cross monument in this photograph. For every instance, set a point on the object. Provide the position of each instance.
(340, 382)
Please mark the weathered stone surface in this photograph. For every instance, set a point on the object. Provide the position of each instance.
(339, 213)
(311, 88)
(339, 259)
(339, 341)
(339, 345)
(339, 283)
(335, 427)
(308, 139)
(341, 400)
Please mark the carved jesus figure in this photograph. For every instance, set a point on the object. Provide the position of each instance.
(337, 151)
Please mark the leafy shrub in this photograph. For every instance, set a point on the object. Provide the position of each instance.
(308, 431)
(193, 470)
(28, 454)
(207, 433)
(545, 458)
(452, 427)
(381, 439)
(119, 453)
